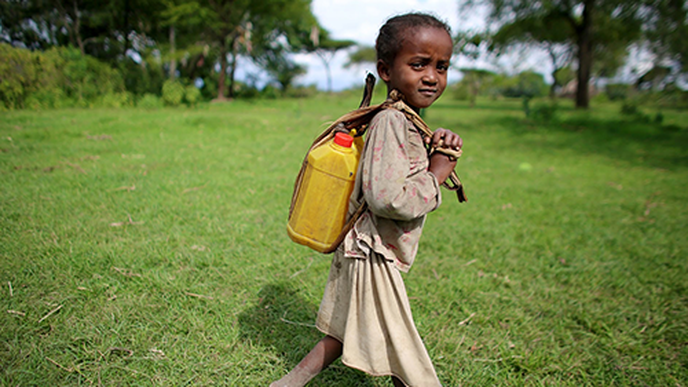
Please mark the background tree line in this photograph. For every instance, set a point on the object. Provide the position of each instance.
(170, 47)
(152, 47)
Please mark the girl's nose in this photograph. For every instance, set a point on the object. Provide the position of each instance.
(430, 78)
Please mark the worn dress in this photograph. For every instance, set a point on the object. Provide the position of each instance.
(365, 305)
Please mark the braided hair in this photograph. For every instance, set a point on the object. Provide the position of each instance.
(393, 33)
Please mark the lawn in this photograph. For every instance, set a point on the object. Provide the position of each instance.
(149, 248)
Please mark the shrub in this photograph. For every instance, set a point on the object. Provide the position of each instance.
(117, 100)
(53, 98)
(301, 91)
(150, 101)
(55, 78)
(617, 91)
(192, 95)
(544, 112)
(270, 92)
(629, 108)
(172, 92)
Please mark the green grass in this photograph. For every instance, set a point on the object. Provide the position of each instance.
(160, 236)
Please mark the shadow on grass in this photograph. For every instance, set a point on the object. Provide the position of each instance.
(635, 142)
(282, 321)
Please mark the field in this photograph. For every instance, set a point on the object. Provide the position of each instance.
(149, 248)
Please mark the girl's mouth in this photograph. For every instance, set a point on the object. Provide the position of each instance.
(427, 92)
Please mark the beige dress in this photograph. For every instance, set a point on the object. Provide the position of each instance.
(365, 305)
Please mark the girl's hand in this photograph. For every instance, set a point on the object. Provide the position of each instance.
(440, 164)
(447, 137)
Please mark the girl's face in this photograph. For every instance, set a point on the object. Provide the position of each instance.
(419, 70)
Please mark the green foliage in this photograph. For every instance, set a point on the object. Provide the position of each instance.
(150, 101)
(192, 95)
(173, 92)
(543, 112)
(461, 91)
(362, 55)
(117, 100)
(629, 108)
(618, 91)
(528, 84)
(59, 77)
(142, 78)
(476, 83)
(302, 92)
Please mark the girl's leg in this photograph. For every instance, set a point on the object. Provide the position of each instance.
(397, 382)
(322, 355)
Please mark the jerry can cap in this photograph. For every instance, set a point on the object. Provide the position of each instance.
(343, 139)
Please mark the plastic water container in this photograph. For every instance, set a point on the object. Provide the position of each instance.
(322, 201)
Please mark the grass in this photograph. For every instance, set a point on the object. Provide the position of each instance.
(149, 248)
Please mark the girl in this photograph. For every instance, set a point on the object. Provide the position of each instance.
(365, 312)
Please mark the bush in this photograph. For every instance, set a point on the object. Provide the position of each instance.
(150, 101)
(47, 99)
(59, 77)
(192, 95)
(629, 108)
(528, 84)
(270, 92)
(461, 92)
(544, 112)
(617, 91)
(172, 92)
(302, 91)
(117, 100)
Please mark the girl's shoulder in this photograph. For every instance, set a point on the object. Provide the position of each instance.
(392, 117)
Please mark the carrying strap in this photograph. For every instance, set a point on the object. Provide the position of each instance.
(359, 120)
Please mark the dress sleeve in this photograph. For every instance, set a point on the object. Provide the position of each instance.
(396, 183)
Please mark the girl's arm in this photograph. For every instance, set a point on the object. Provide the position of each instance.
(440, 165)
(395, 183)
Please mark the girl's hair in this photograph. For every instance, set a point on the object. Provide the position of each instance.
(393, 33)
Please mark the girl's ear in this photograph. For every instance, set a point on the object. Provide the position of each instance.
(383, 70)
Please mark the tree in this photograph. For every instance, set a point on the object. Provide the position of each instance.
(545, 33)
(320, 43)
(587, 23)
(475, 80)
(362, 55)
(234, 25)
(667, 31)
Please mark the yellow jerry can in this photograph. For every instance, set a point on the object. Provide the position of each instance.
(322, 200)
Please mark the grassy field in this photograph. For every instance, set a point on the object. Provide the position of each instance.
(149, 248)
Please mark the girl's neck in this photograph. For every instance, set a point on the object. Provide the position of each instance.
(415, 109)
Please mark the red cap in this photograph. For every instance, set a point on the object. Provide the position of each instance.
(343, 139)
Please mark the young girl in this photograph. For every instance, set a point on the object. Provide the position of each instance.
(365, 312)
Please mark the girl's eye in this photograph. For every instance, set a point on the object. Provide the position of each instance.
(417, 65)
(443, 67)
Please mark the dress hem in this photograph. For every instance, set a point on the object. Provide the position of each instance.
(390, 373)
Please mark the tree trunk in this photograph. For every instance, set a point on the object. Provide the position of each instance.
(553, 88)
(77, 29)
(585, 59)
(173, 60)
(232, 69)
(326, 63)
(223, 73)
